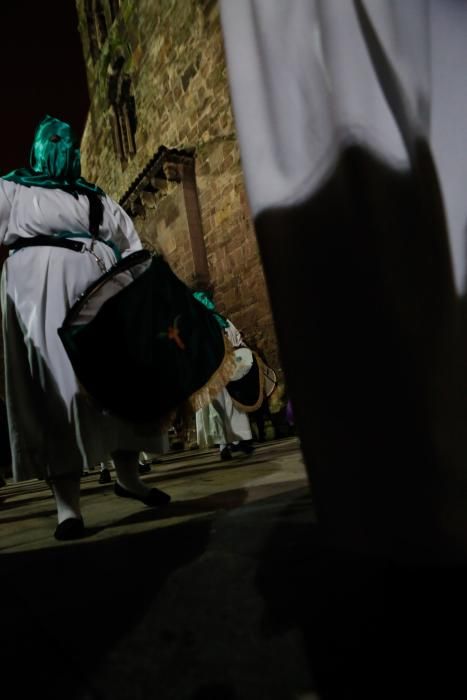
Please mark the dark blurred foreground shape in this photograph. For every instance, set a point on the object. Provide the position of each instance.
(351, 121)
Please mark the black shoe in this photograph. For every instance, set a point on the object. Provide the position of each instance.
(144, 467)
(105, 477)
(70, 529)
(155, 497)
(226, 454)
(245, 446)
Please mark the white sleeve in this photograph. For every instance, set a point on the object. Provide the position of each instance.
(7, 194)
(234, 336)
(118, 227)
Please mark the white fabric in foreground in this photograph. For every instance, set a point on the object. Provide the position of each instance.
(304, 86)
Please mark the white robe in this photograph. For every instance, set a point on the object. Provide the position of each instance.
(53, 429)
(220, 422)
(304, 87)
(326, 95)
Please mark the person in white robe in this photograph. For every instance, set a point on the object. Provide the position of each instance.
(351, 118)
(55, 432)
(220, 422)
(105, 468)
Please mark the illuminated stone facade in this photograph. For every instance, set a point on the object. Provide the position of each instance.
(160, 138)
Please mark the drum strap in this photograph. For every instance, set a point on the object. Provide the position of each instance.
(53, 241)
(63, 240)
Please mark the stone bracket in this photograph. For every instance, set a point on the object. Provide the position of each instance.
(172, 165)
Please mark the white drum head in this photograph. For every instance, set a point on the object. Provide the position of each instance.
(243, 363)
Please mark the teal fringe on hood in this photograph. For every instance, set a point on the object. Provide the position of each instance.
(209, 304)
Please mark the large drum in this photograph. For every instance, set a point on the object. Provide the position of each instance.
(270, 380)
(252, 380)
(140, 343)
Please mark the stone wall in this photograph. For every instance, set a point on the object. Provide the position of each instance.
(171, 54)
(236, 271)
(163, 226)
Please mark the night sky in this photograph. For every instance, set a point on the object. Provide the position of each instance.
(42, 73)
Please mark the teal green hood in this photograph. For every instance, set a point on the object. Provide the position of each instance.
(55, 161)
(209, 304)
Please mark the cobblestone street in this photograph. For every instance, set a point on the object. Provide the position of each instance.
(167, 604)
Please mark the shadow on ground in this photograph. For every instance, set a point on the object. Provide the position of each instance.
(62, 608)
(370, 629)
